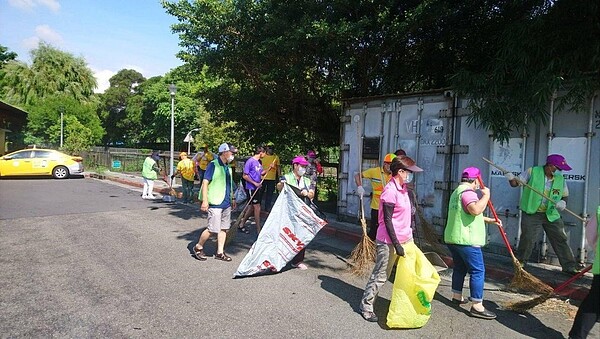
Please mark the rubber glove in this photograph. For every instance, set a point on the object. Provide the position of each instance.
(561, 205)
(360, 191)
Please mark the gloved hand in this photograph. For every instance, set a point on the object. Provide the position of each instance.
(509, 176)
(360, 191)
(399, 250)
(561, 205)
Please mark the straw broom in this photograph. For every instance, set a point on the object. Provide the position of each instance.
(522, 279)
(523, 306)
(363, 255)
(172, 190)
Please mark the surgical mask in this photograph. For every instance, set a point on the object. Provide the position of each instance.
(409, 177)
(230, 159)
(301, 171)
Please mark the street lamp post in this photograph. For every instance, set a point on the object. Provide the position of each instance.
(189, 138)
(62, 111)
(172, 90)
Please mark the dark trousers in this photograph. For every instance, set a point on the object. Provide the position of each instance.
(587, 315)
(299, 257)
(188, 190)
(373, 224)
(269, 186)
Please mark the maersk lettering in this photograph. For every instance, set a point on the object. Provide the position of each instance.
(575, 177)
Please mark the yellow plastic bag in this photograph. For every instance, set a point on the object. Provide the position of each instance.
(414, 288)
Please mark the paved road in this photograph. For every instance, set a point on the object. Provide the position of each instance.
(88, 258)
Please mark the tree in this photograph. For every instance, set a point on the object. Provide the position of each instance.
(543, 49)
(52, 72)
(279, 68)
(6, 56)
(121, 107)
(81, 129)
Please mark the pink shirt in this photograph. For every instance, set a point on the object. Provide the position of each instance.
(401, 217)
(467, 197)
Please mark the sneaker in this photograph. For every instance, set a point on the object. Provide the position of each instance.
(144, 197)
(370, 317)
(150, 197)
(300, 266)
(485, 314)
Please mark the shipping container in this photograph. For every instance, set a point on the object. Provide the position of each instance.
(433, 128)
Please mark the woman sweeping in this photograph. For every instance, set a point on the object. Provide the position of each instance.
(465, 235)
(394, 230)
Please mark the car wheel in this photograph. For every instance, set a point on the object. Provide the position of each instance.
(60, 172)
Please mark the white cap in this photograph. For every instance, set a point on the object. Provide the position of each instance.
(227, 147)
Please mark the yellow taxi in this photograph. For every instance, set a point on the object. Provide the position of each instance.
(39, 161)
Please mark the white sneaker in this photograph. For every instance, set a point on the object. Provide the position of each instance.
(150, 197)
(144, 196)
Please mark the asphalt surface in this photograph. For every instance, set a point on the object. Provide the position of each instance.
(90, 258)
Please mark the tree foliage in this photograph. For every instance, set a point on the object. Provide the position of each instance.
(121, 107)
(81, 126)
(52, 72)
(279, 68)
(6, 56)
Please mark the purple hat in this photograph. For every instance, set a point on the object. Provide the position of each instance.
(558, 161)
(300, 160)
(471, 173)
(311, 154)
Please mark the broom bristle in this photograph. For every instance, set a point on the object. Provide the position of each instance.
(363, 255)
(522, 306)
(431, 236)
(231, 233)
(523, 280)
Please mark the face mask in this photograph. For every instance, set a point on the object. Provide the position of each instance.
(301, 171)
(409, 177)
(230, 159)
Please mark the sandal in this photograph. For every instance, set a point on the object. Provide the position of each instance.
(199, 253)
(222, 256)
(244, 229)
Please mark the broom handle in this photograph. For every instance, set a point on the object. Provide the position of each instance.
(573, 278)
(252, 197)
(500, 228)
(535, 190)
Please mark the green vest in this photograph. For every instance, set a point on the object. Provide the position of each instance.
(217, 186)
(596, 267)
(290, 178)
(463, 228)
(147, 171)
(531, 201)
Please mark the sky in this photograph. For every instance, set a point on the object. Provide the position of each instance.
(110, 35)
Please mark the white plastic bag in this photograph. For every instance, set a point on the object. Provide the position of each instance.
(240, 194)
(290, 227)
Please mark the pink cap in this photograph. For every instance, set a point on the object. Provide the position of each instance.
(300, 160)
(471, 173)
(311, 154)
(558, 161)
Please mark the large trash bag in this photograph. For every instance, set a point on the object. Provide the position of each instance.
(414, 288)
(290, 227)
